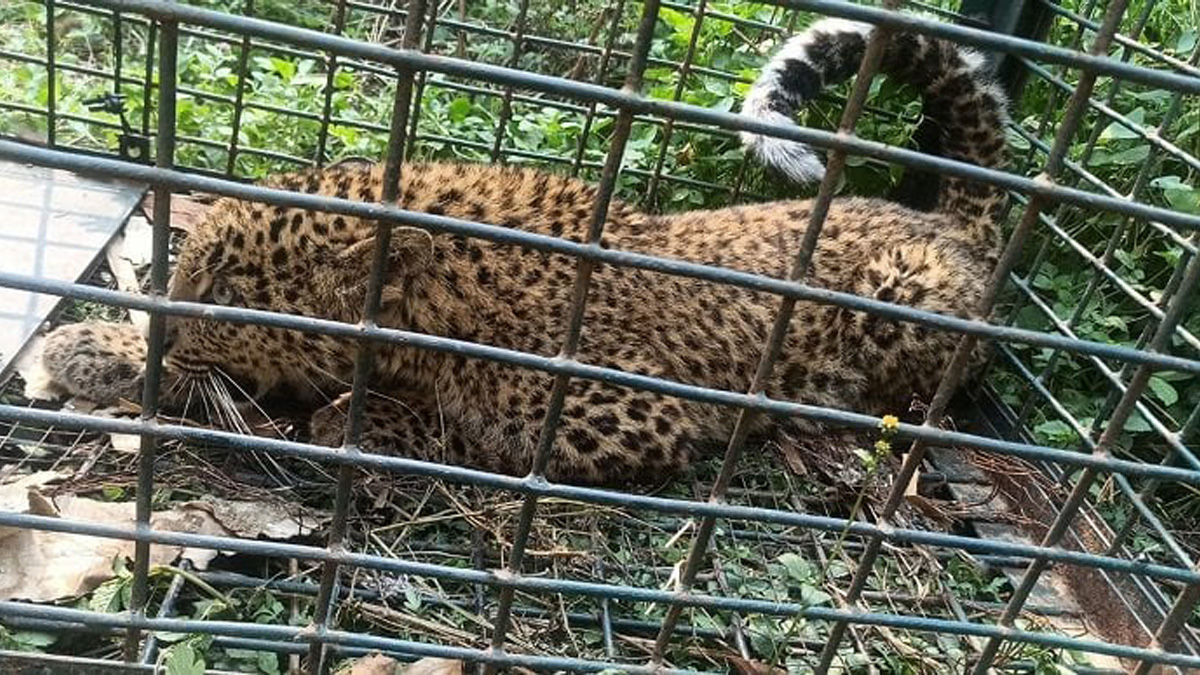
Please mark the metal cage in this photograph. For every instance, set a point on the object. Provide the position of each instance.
(1089, 57)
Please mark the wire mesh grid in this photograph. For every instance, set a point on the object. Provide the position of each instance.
(1066, 211)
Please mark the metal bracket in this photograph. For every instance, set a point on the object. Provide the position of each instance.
(132, 145)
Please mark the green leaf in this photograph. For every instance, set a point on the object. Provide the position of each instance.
(1055, 430)
(1136, 423)
(460, 107)
(183, 660)
(27, 639)
(1186, 42)
(1180, 195)
(797, 567)
(107, 596)
(1164, 391)
(1135, 155)
(268, 663)
(1118, 131)
(811, 595)
(285, 68)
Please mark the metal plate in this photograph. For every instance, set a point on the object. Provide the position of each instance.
(55, 226)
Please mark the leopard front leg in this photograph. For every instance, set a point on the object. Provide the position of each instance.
(393, 425)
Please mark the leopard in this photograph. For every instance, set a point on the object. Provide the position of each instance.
(439, 405)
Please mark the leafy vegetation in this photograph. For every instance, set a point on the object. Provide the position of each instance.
(281, 128)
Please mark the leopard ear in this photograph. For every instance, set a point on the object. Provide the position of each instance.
(409, 252)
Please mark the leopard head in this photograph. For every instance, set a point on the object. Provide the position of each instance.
(283, 260)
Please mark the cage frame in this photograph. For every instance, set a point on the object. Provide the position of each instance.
(411, 65)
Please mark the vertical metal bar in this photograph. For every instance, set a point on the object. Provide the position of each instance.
(579, 293)
(164, 158)
(461, 36)
(963, 353)
(165, 610)
(331, 65)
(239, 98)
(1137, 385)
(365, 358)
(51, 75)
(872, 57)
(1168, 631)
(118, 50)
(1193, 422)
(148, 83)
(422, 79)
(605, 615)
(601, 73)
(514, 61)
(669, 127)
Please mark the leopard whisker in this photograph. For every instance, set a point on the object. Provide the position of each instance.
(270, 420)
(237, 387)
(372, 391)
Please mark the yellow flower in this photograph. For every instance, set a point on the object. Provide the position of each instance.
(889, 423)
(882, 447)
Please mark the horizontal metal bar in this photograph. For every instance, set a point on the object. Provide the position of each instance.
(557, 365)
(116, 169)
(1000, 42)
(541, 488)
(1146, 134)
(630, 101)
(1123, 40)
(343, 638)
(1092, 179)
(502, 658)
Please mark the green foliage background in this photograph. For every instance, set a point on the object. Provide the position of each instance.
(280, 129)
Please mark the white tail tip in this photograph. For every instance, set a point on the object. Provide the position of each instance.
(795, 160)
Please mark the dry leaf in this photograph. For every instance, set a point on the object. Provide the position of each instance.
(914, 481)
(39, 385)
(747, 667)
(125, 251)
(44, 566)
(432, 666)
(373, 664)
(186, 211)
(14, 496)
(126, 443)
(378, 664)
(793, 454)
(273, 520)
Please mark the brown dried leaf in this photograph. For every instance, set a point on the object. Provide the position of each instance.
(378, 664)
(432, 666)
(373, 664)
(186, 211)
(793, 455)
(42, 566)
(39, 385)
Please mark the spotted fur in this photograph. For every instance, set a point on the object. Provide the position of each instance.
(443, 407)
(102, 362)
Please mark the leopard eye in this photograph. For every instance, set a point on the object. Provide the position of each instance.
(222, 294)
